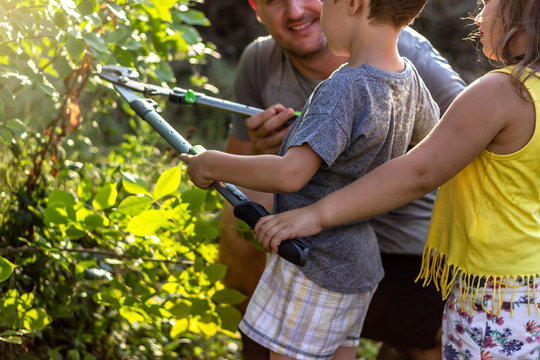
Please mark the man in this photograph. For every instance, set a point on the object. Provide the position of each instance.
(278, 73)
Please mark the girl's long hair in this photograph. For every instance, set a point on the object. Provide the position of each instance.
(519, 17)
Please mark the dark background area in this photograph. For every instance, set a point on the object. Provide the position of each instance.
(444, 22)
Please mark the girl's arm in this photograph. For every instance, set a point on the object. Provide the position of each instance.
(268, 173)
(484, 116)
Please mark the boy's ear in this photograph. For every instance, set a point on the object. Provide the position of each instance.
(256, 9)
(356, 6)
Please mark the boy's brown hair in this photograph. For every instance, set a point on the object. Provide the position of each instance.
(398, 12)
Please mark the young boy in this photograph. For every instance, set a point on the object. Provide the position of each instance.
(365, 114)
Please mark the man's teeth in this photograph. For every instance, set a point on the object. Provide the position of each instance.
(300, 27)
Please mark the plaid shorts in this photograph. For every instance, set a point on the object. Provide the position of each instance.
(292, 316)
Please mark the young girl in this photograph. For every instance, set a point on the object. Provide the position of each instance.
(483, 249)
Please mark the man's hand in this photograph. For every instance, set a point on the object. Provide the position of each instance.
(267, 130)
(197, 166)
(273, 229)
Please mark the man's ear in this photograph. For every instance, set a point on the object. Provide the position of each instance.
(256, 9)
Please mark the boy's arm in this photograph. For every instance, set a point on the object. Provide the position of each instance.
(477, 117)
(268, 173)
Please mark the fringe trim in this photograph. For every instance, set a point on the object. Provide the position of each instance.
(435, 268)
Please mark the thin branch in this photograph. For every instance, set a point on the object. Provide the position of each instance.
(111, 254)
(27, 38)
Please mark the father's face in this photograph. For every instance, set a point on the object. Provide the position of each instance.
(294, 24)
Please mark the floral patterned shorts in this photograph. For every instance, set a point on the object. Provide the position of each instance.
(487, 329)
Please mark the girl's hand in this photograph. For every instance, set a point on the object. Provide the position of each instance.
(273, 229)
(197, 166)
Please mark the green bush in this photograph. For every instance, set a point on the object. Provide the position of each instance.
(106, 251)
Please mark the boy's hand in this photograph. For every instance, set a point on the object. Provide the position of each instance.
(197, 166)
(273, 229)
(266, 129)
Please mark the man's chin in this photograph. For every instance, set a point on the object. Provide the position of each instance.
(308, 49)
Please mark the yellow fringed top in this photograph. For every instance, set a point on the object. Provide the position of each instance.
(486, 219)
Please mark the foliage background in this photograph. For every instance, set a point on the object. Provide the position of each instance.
(106, 251)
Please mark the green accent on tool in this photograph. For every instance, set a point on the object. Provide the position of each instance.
(197, 149)
(190, 97)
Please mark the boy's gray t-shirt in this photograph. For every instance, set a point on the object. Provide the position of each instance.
(265, 76)
(355, 121)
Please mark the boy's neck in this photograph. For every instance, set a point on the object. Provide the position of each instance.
(376, 45)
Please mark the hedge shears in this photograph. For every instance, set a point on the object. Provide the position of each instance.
(125, 82)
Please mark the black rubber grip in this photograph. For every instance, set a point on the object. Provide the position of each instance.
(292, 250)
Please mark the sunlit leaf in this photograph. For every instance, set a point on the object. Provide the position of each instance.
(60, 197)
(132, 314)
(116, 10)
(134, 205)
(147, 222)
(35, 319)
(180, 327)
(105, 197)
(167, 183)
(84, 190)
(134, 184)
(6, 269)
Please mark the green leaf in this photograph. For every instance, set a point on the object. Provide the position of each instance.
(205, 230)
(6, 136)
(132, 314)
(48, 89)
(84, 190)
(75, 47)
(180, 327)
(167, 183)
(181, 310)
(6, 269)
(162, 7)
(117, 10)
(215, 272)
(60, 197)
(134, 205)
(12, 339)
(134, 184)
(194, 17)
(105, 197)
(59, 214)
(228, 296)
(86, 7)
(35, 319)
(95, 42)
(194, 197)
(16, 126)
(147, 222)
(230, 317)
(200, 307)
(207, 325)
(95, 221)
(73, 232)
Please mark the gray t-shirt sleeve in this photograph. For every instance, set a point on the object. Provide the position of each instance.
(442, 81)
(247, 89)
